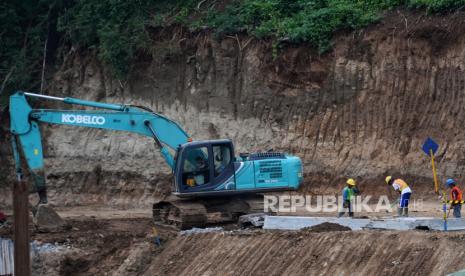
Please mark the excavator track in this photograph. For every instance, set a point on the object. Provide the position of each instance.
(200, 212)
(180, 214)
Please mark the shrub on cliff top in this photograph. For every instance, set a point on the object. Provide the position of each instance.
(299, 20)
(311, 21)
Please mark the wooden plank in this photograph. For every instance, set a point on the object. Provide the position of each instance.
(22, 262)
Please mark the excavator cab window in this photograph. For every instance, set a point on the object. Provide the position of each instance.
(196, 169)
(205, 166)
(222, 157)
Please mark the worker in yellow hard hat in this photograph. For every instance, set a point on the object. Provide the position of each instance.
(405, 192)
(348, 193)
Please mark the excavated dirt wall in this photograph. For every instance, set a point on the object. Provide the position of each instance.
(306, 253)
(361, 110)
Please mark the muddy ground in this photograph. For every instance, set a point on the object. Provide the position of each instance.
(96, 245)
(119, 242)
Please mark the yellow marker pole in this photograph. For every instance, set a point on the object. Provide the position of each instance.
(435, 176)
(436, 189)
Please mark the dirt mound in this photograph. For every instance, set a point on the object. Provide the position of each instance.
(326, 227)
(104, 244)
(47, 220)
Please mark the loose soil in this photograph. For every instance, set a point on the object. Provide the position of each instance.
(94, 246)
(326, 227)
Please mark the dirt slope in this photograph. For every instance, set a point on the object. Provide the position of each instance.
(306, 253)
(361, 110)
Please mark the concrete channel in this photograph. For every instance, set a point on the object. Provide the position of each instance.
(410, 223)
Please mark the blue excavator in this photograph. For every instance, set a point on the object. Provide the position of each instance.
(210, 184)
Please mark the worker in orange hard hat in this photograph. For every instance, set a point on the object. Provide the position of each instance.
(348, 193)
(405, 192)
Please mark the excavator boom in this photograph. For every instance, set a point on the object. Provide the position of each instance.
(25, 127)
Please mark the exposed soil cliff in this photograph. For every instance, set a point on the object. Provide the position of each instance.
(362, 110)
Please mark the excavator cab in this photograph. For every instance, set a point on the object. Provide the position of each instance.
(203, 166)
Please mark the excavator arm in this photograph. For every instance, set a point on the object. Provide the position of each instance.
(25, 128)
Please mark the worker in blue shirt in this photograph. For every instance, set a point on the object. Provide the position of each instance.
(348, 193)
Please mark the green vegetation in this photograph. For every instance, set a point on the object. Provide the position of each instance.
(311, 21)
(24, 26)
(437, 5)
(297, 21)
(118, 30)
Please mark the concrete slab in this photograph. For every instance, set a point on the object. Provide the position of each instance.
(296, 223)
(410, 223)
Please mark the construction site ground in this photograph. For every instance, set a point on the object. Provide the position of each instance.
(106, 241)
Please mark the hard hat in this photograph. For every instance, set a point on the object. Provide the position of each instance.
(450, 182)
(351, 182)
(388, 179)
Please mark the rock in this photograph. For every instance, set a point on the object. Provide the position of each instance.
(196, 230)
(46, 220)
(256, 220)
(139, 256)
